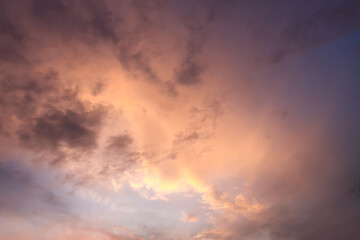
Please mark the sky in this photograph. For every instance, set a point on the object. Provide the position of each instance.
(179, 120)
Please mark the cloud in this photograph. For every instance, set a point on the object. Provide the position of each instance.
(331, 22)
(189, 72)
(132, 50)
(312, 194)
(47, 114)
(44, 116)
(8, 30)
(119, 142)
(23, 193)
(11, 39)
(94, 233)
(189, 137)
(188, 217)
(190, 69)
(97, 88)
(122, 133)
(122, 156)
(76, 129)
(211, 234)
(86, 19)
(138, 62)
(72, 230)
(218, 200)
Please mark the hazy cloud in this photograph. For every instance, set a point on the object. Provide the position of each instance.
(24, 193)
(330, 22)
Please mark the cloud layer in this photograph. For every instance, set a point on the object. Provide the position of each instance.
(179, 120)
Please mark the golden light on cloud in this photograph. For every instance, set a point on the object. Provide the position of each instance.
(188, 217)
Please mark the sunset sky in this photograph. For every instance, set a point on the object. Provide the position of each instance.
(179, 120)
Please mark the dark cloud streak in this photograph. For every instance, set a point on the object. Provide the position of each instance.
(190, 69)
(119, 142)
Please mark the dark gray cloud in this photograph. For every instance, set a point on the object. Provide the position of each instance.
(130, 51)
(11, 38)
(22, 94)
(189, 72)
(7, 29)
(87, 22)
(136, 61)
(41, 114)
(98, 88)
(93, 22)
(198, 19)
(119, 142)
(48, 114)
(74, 128)
(121, 155)
(190, 69)
(86, 19)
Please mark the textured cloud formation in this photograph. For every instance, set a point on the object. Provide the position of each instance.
(179, 119)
